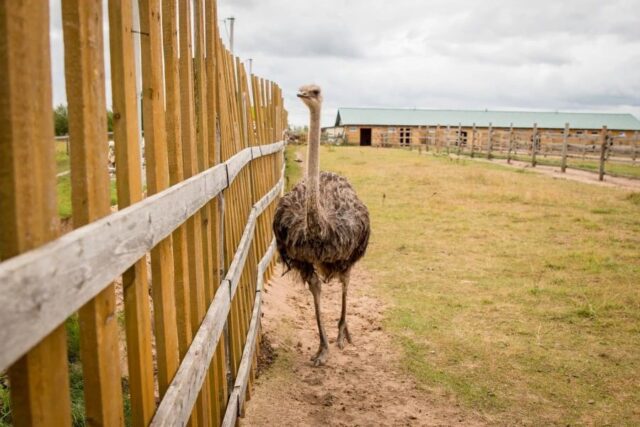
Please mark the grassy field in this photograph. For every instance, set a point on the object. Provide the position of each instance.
(63, 185)
(515, 293)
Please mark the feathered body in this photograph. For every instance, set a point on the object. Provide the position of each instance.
(334, 241)
(321, 227)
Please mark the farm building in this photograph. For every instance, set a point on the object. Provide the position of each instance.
(385, 126)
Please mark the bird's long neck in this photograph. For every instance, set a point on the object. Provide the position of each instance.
(313, 171)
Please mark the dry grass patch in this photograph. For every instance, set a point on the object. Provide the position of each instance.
(512, 291)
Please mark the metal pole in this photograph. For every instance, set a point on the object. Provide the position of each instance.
(232, 21)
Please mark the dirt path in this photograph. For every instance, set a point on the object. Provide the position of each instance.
(362, 385)
(571, 174)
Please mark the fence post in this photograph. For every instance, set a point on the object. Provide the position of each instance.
(489, 141)
(447, 139)
(84, 66)
(437, 139)
(603, 151)
(426, 138)
(129, 187)
(473, 139)
(634, 156)
(39, 379)
(534, 144)
(565, 141)
(510, 143)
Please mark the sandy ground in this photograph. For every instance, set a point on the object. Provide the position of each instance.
(571, 174)
(362, 385)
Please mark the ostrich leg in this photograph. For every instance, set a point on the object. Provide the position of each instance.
(315, 286)
(343, 330)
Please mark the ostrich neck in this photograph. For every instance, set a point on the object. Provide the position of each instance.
(313, 171)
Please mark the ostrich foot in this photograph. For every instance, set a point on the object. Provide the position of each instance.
(320, 357)
(343, 332)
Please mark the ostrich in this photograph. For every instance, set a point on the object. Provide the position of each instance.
(321, 227)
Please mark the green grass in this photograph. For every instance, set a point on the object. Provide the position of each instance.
(293, 169)
(64, 195)
(76, 382)
(63, 185)
(515, 293)
(62, 158)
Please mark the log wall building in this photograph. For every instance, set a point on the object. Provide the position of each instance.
(406, 127)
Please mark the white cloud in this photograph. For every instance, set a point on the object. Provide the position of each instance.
(577, 55)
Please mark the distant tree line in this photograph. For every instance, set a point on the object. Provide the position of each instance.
(61, 120)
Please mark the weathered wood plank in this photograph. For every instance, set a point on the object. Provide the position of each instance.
(190, 159)
(183, 391)
(84, 70)
(39, 379)
(219, 380)
(604, 142)
(236, 400)
(565, 137)
(175, 407)
(176, 170)
(41, 288)
(129, 187)
(157, 168)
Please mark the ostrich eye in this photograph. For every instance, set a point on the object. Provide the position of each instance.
(315, 92)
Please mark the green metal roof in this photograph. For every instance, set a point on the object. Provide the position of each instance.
(520, 119)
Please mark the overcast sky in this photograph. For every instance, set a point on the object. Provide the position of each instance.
(578, 55)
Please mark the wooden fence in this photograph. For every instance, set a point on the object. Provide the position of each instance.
(214, 169)
(527, 144)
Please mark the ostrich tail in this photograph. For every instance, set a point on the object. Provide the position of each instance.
(285, 259)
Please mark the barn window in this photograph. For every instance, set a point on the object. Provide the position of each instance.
(405, 136)
(391, 130)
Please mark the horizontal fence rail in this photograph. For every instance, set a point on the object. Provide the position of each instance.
(181, 395)
(41, 288)
(237, 397)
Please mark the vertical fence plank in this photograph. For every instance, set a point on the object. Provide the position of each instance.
(176, 170)
(84, 66)
(39, 379)
(604, 143)
(190, 159)
(510, 150)
(636, 147)
(129, 187)
(534, 145)
(219, 379)
(473, 139)
(157, 168)
(489, 141)
(565, 141)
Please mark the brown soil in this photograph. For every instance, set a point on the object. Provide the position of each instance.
(362, 385)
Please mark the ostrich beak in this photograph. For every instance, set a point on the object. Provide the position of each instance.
(302, 95)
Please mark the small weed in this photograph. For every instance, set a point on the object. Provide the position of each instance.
(603, 211)
(634, 198)
(586, 312)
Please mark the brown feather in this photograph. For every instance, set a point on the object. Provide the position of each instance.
(333, 244)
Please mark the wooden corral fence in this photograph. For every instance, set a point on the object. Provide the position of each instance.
(214, 168)
(527, 144)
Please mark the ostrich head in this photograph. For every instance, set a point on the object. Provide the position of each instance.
(311, 95)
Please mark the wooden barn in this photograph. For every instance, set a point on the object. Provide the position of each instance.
(405, 127)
